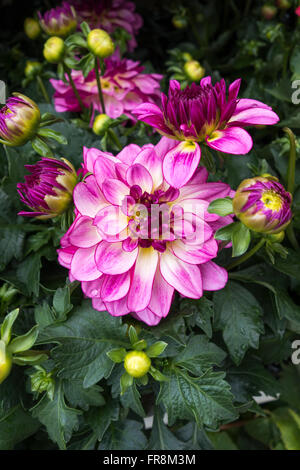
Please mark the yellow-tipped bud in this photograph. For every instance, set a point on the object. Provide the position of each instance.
(100, 123)
(32, 28)
(137, 363)
(5, 362)
(54, 49)
(32, 68)
(194, 70)
(100, 43)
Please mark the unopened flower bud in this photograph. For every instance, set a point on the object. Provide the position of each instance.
(32, 68)
(5, 362)
(268, 11)
(276, 237)
(100, 123)
(187, 56)
(137, 363)
(60, 21)
(179, 22)
(32, 28)
(194, 70)
(283, 4)
(54, 49)
(100, 43)
(263, 205)
(48, 189)
(19, 120)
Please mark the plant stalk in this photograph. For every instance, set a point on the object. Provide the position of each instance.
(247, 255)
(43, 89)
(97, 66)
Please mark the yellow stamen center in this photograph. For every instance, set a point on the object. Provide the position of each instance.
(272, 200)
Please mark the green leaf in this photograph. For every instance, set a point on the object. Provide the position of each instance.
(117, 355)
(82, 397)
(125, 435)
(133, 336)
(60, 420)
(222, 206)
(288, 423)
(202, 311)
(51, 134)
(290, 386)
(157, 375)
(28, 272)
(85, 28)
(287, 308)
(132, 399)
(206, 399)
(241, 238)
(125, 382)
(61, 302)
(221, 441)
(156, 349)
(30, 358)
(7, 325)
(289, 265)
(24, 342)
(239, 316)
(84, 339)
(11, 243)
(76, 40)
(41, 147)
(263, 430)
(225, 233)
(199, 354)
(16, 426)
(161, 438)
(99, 419)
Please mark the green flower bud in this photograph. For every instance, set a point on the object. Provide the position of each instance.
(100, 43)
(187, 56)
(32, 28)
(284, 4)
(5, 362)
(54, 49)
(194, 70)
(32, 68)
(179, 22)
(100, 123)
(137, 363)
(42, 381)
(276, 237)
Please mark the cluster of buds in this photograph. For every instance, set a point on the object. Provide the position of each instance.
(17, 350)
(48, 189)
(137, 362)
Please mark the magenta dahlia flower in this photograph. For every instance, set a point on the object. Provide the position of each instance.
(206, 114)
(109, 15)
(135, 240)
(48, 189)
(124, 87)
(60, 21)
(263, 205)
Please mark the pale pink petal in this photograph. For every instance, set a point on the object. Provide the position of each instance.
(149, 159)
(139, 175)
(90, 155)
(233, 140)
(104, 168)
(88, 198)
(162, 295)
(115, 191)
(140, 291)
(115, 287)
(184, 277)
(164, 145)
(129, 153)
(92, 288)
(200, 176)
(110, 221)
(84, 234)
(117, 308)
(180, 163)
(65, 256)
(254, 116)
(83, 266)
(213, 276)
(189, 254)
(112, 259)
(98, 304)
(147, 316)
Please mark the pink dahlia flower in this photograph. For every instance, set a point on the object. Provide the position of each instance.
(59, 21)
(206, 114)
(124, 87)
(109, 15)
(135, 240)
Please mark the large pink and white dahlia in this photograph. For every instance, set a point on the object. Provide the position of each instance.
(124, 87)
(204, 114)
(135, 240)
(110, 15)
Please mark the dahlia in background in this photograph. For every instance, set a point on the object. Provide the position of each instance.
(124, 87)
(263, 205)
(206, 114)
(109, 15)
(127, 255)
(48, 189)
(60, 21)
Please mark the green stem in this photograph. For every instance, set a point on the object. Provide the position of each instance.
(114, 138)
(43, 89)
(247, 255)
(97, 66)
(292, 161)
(292, 237)
(75, 89)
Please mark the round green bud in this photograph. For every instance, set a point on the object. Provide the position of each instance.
(179, 22)
(54, 49)
(194, 70)
(32, 68)
(187, 56)
(100, 123)
(276, 237)
(32, 28)
(5, 362)
(137, 363)
(100, 43)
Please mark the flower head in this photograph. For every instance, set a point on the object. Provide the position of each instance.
(110, 15)
(54, 49)
(100, 43)
(207, 114)
(124, 87)
(263, 205)
(19, 120)
(135, 240)
(297, 11)
(48, 189)
(137, 363)
(59, 21)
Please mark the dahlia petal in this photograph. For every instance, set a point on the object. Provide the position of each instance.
(233, 89)
(92, 288)
(65, 256)
(88, 198)
(205, 81)
(117, 308)
(103, 169)
(162, 295)
(139, 175)
(115, 191)
(180, 163)
(164, 145)
(254, 116)
(110, 221)
(151, 114)
(147, 316)
(112, 259)
(184, 277)
(115, 287)
(98, 304)
(149, 159)
(90, 156)
(129, 153)
(233, 140)
(84, 234)
(83, 266)
(193, 255)
(140, 291)
(246, 103)
(214, 277)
